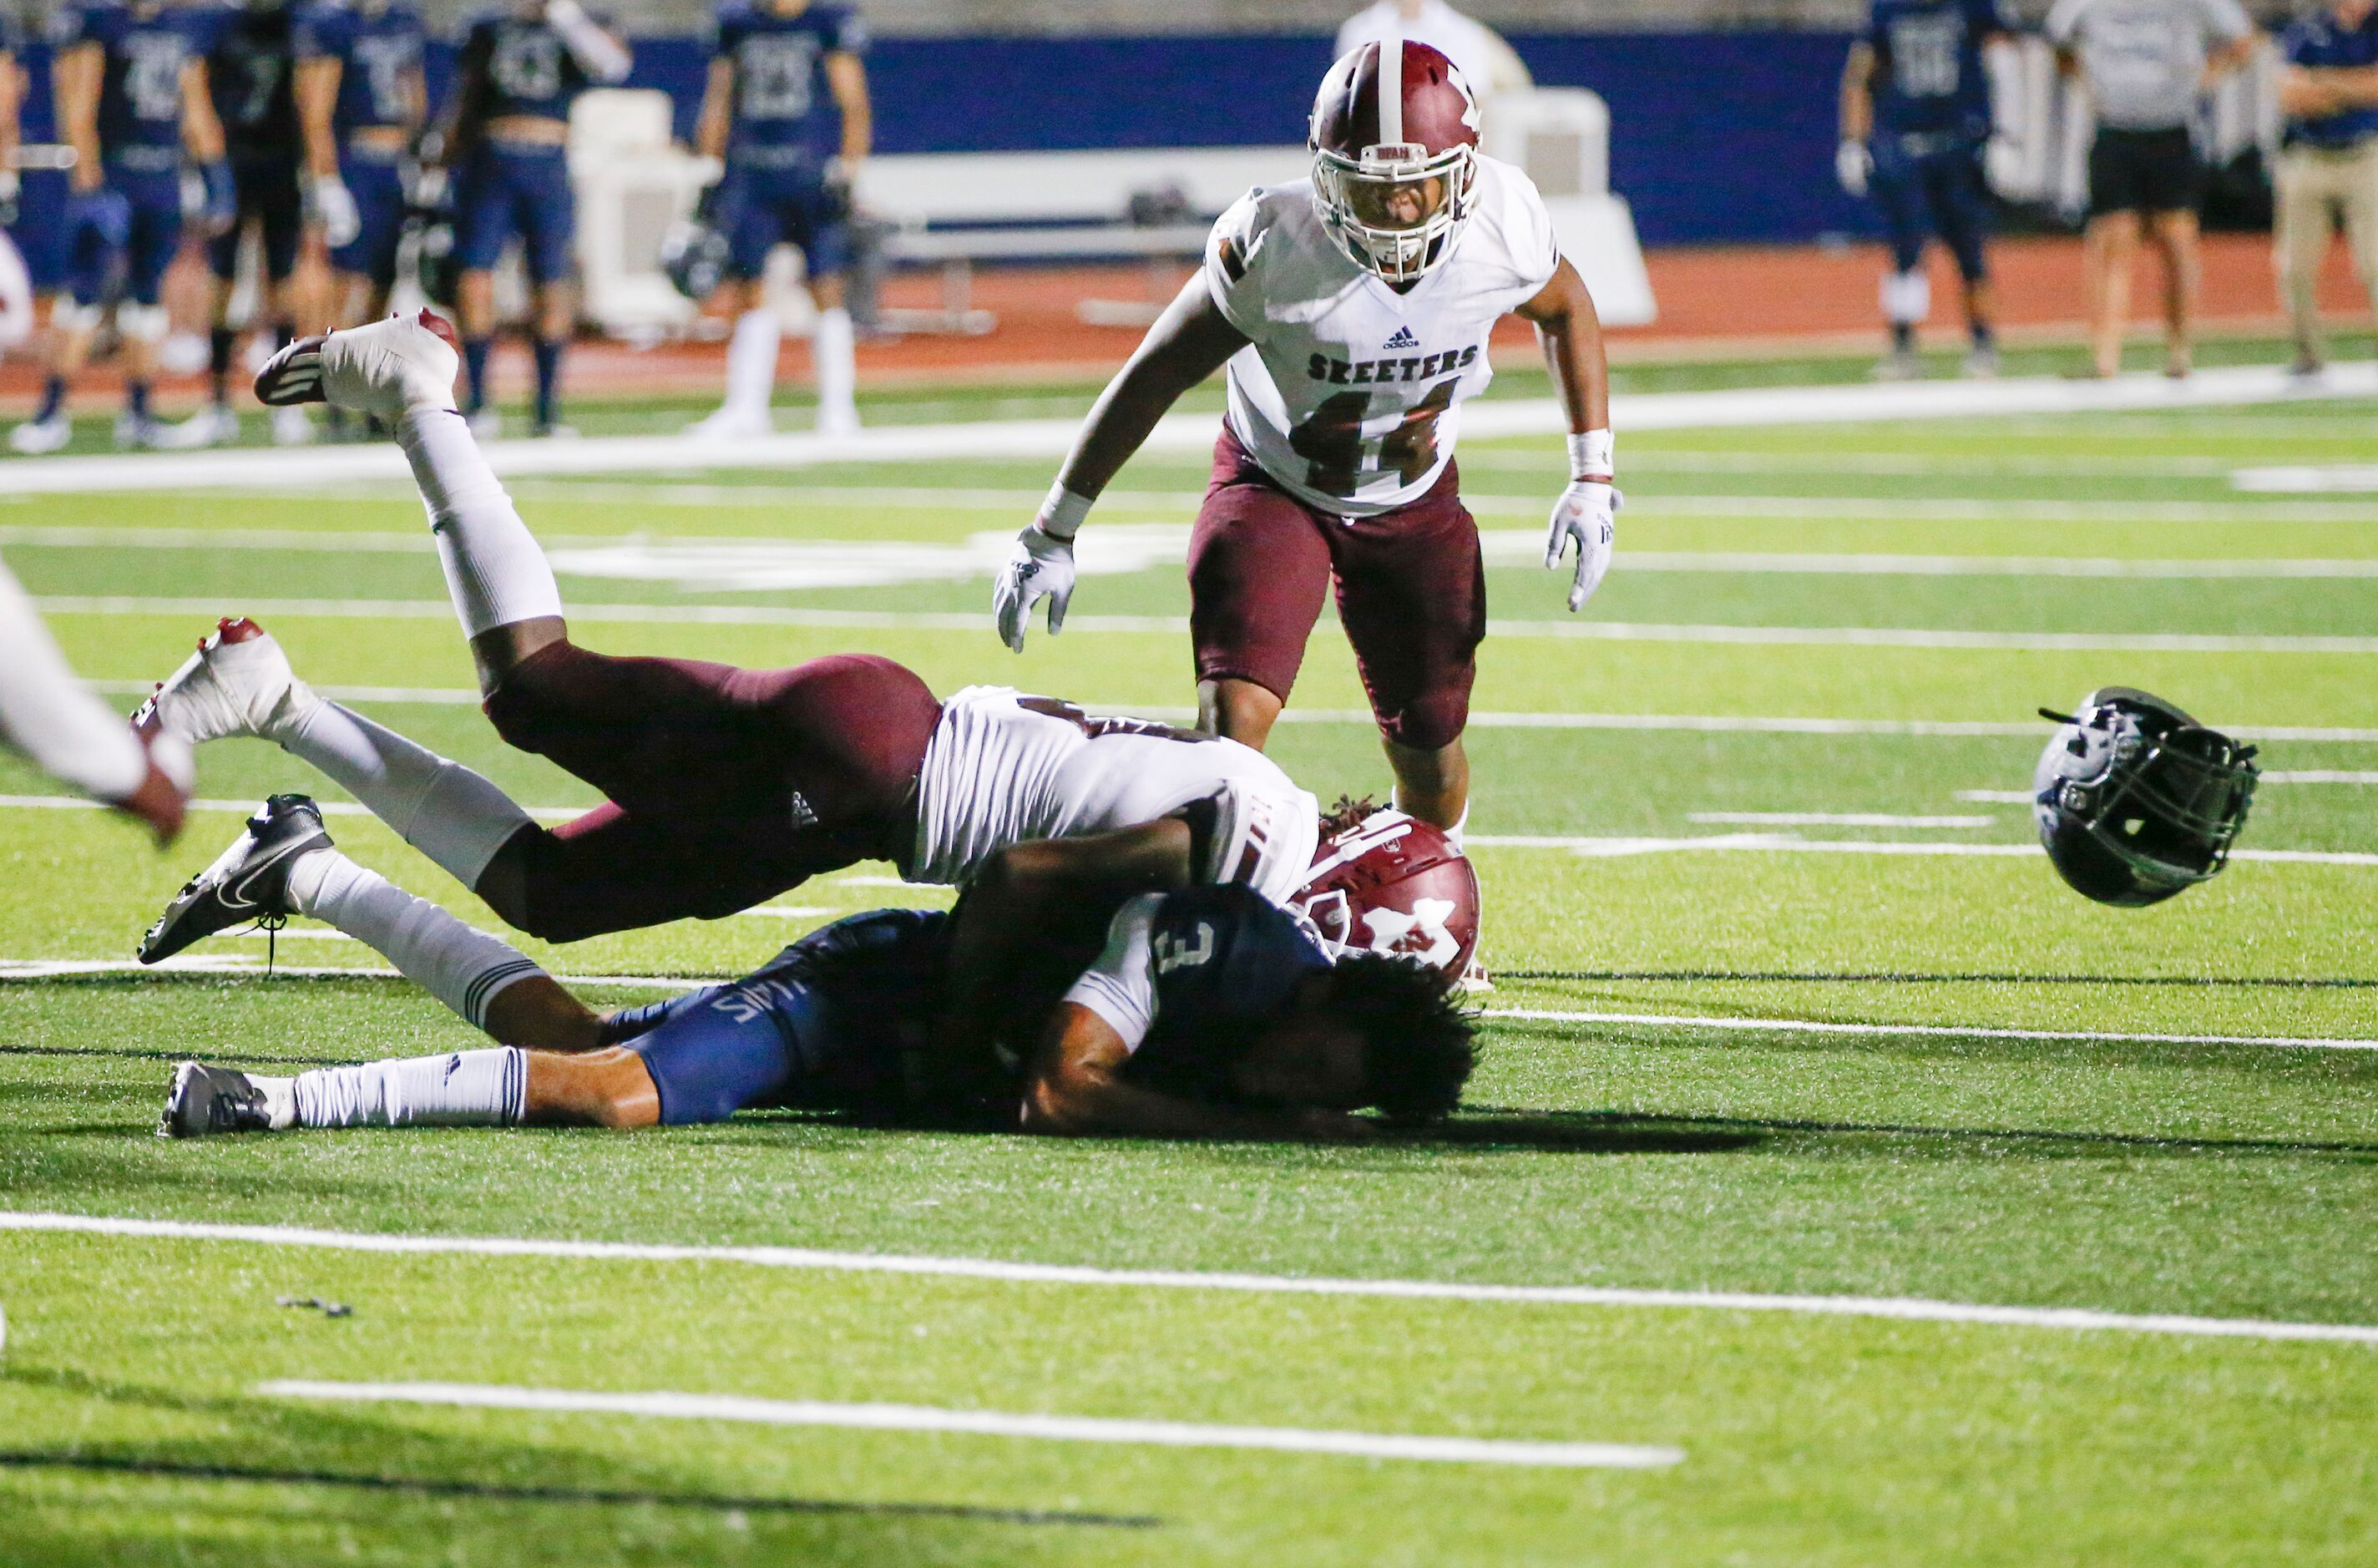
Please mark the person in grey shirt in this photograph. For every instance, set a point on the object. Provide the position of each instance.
(2146, 64)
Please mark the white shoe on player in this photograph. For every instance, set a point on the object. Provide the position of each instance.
(291, 428)
(38, 436)
(238, 683)
(388, 368)
(214, 426)
(837, 422)
(732, 424)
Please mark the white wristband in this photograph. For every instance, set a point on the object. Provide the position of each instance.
(1063, 513)
(1590, 455)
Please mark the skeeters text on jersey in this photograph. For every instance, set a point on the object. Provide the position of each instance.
(1348, 394)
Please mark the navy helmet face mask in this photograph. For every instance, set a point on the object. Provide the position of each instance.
(2136, 801)
(694, 254)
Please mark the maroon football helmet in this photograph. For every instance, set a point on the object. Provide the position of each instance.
(1395, 156)
(1390, 884)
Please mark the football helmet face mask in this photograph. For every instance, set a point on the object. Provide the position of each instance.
(2136, 801)
(1390, 884)
(1395, 157)
(694, 254)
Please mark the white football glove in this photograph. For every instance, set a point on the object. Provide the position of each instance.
(1853, 164)
(334, 209)
(1041, 566)
(1587, 514)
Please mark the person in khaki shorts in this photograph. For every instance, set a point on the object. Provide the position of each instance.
(2328, 167)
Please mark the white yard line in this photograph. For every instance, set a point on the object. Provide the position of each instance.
(1834, 819)
(1903, 1309)
(1614, 847)
(1945, 1031)
(310, 469)
(2319, 776)
(248, 807)
(986, 1423)
(245, 965)
(975, 624)
(2307, 478)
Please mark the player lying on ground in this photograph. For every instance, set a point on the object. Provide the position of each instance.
(1210, 1012)
(726, 786)
(1353, 309)
(70, 734)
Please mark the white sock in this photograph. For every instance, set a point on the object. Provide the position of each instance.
(484, 1088)
(494, 569)
(1454, 834)
(465, 969)
(442, 809)
(834, 350)
(751, 361)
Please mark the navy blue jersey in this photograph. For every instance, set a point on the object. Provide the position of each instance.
(1928, 78)
(146, 49)
(784, 110)
(10, 40)
(250, 59)
(2317, 42)
(378, 52)
(1188, 979)
(522, 66)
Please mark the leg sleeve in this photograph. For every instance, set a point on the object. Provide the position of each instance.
(1259, 572)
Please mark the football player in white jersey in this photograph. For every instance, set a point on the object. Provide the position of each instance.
(726, 786)
(1354, 310)
(70, 734)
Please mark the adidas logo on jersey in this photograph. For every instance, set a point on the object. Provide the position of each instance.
(1402, 339)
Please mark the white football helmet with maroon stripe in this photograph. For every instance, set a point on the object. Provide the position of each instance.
(1395, 154)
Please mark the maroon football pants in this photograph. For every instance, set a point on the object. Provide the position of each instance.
(1412, 594)
(726, 785)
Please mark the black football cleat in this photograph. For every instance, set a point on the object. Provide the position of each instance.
(207, 1100)
(248, 885)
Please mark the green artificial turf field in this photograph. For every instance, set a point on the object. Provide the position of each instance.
(1775, 782)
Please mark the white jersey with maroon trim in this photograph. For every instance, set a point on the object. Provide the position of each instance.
(1003, 768)
(1348, 394)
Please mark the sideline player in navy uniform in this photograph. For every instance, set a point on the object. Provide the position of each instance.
(787, 113)
(250, 62)
(1209, 1012)
(361, 94)
(507, 151)
(1915, 126)
(130, 83)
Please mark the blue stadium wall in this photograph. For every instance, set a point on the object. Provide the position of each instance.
(1715, 137)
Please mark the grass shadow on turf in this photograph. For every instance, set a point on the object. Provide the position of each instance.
(2064, 1140)
(275, 1442)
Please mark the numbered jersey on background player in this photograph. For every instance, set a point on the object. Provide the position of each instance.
(529, 69)
(1348, 393)
(1187, 978)
(1005, 769)
(785, 112)
(1929, 76)
(249, 62)
(377, 54)
(145, 49)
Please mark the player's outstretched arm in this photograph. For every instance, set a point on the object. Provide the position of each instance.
(70, 732)
(1190, 341)
(1075, 1090)
(1586, 513)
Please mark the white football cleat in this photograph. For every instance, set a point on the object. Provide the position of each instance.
(211, 426)
(238, 683)
(835, 423)
(140, 432)
(290, 427)
(485, 423)
(36, 437)
(388, 368)
(732, 424)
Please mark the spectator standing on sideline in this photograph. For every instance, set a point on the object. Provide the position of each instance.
(507, 147)
(787, 114)
(2146, 64)
(1477, 50)
(2328, 164)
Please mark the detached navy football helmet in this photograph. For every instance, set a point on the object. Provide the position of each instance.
(2137, 801)
(694, 254)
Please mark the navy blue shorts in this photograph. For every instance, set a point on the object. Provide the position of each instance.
(266, 189)
(516, 189)
(1939, 192)
(761, 209)
(823, 1025)
(378, 189)
(45, 238)
(143, 236)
